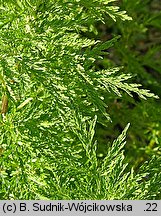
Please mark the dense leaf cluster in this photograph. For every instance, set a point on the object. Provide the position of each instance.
(56, 96)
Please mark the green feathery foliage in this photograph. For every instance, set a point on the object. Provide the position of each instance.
(138, 51)
(54, 97)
